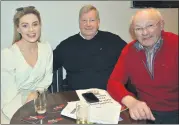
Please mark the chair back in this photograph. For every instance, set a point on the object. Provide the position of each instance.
(58, 82)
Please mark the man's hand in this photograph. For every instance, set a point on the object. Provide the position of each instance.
(31, 96)
(138, 110)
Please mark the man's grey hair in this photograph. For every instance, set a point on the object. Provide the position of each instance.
(86, 9)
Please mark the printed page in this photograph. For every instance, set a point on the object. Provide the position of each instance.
(104, 114)
(70, 110)
(102, 95)
(106, 111)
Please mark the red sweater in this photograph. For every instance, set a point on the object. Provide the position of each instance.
(160, 92)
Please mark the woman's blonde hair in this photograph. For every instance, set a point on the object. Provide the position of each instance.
(154, 11)
(20, 12)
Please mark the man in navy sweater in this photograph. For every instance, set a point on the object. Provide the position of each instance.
(89, 56)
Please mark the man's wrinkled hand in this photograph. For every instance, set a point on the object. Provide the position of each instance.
(138, 110)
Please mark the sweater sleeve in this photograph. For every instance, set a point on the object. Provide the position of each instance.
(57, 58)
(118, 78)
(10, 99)
(47, 80)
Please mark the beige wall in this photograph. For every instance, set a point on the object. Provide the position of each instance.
(171, 19)
(60, 18)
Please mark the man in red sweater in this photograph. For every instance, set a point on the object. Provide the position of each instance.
(151, 63)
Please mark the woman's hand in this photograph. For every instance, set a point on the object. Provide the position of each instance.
(31, 96)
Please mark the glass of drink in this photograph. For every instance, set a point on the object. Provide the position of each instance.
(82, 111)
(40, 102)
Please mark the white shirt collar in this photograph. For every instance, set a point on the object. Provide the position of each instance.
(84, 37)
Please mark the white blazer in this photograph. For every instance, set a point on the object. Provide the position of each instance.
(17, 75)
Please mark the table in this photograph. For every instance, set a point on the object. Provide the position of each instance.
(61, 98)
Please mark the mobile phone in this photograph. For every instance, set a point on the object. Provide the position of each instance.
(90, 97)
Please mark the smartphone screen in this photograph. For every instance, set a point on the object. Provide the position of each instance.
(90, 97)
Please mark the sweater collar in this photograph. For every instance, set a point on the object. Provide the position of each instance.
(84, 37)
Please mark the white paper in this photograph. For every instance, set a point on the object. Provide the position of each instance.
(70, 110)
(106, 111)
(108, 114)
(104, 114)
(120, 119)
(102, 95)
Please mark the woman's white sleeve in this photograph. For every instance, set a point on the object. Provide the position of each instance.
(10, 102)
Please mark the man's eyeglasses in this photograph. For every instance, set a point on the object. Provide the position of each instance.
(22, 8)
(148, 28)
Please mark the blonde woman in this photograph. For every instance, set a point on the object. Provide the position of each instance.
(26, 65)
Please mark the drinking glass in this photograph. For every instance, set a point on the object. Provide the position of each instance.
(40, 102)
(82, 111)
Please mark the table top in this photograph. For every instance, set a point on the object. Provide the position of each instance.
(61, 98)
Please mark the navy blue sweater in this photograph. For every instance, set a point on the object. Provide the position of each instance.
(88, 63)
